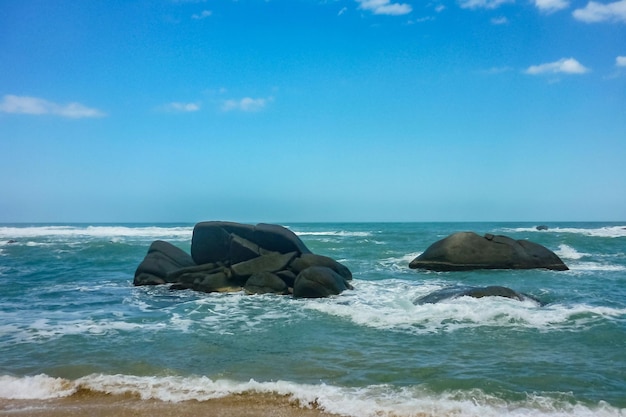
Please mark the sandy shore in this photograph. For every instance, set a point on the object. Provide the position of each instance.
(102, 405)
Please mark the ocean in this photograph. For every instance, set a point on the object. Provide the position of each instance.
(72, 322)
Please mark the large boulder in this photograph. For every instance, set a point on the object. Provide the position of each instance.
(475, 292)
(466, 251)
(213, 241)
(162, 259)
(318, 282)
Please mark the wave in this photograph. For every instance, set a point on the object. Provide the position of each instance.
(10, 233)
(336, 233)
(604, 231)
(373, 400)
(390, 306)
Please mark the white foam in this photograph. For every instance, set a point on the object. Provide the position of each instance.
(334, 233)
(39, 387)
(605, 231)
(390, 306)
(369, 401)
(568, 252)
(109, 232)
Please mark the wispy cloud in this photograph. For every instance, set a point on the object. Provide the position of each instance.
(202, 15)
(385, 7)
(551, 6)
(499, 20)
(178, 107)
(620, 61)
(38, 106)
(595, 12)
(483, 4)
(246, 104)
(562, 66)
(342, 11)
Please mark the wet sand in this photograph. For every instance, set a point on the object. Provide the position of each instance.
(103, 405)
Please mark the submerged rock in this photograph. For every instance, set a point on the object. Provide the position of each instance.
(227, 256)
(467, 250)
(475, 292)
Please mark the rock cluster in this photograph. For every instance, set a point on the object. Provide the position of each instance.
(227, 256)
(466, 251)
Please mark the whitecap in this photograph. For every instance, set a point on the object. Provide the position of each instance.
(389, 305)
(604, 231)
(110, 232)
(334, 233)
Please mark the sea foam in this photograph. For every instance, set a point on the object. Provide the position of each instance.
(367, 401)
(391, 306)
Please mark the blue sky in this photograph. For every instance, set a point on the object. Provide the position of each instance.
(312, 110)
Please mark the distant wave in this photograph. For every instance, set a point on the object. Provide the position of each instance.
(368, 401)
(338, 233)
(8, 233)
(606, 231)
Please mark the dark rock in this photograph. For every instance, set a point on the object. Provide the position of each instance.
(209, 282)
(162, 259)
(265, 283)
(211, 241)
(542, 227)
(476, 292)
(318, 282)
(242, 250)
(466, 251)
(287, 276)
(308, 260)
(227, 256)
(206, 268)
(279, 239)
(272, 262)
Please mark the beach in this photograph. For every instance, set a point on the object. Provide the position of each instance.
(104, 405)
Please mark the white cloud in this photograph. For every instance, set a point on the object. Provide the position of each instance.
(499, 20)
(483, 4)
(550, 6)
(181, 107)
(247, 104)
(440, 8)
(598, 12)
(385, 7)
(564, 66)
(203, 15)
(620, 61)
(342, 11)
(38, 106)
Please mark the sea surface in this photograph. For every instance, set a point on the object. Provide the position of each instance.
(71, 320)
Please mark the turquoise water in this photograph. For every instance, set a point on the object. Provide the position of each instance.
(70, 317)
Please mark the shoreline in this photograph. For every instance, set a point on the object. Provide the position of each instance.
(85, 402)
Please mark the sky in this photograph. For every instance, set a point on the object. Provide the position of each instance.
(312, 110)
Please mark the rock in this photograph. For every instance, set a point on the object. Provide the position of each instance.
(272, 262)
(467, 250)
(308, 260)
(266, 283)
(318, 282)
(542, 227)
(476, 292)
(211, 241)
(227, 256)
(210, 282)
(162, 259)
